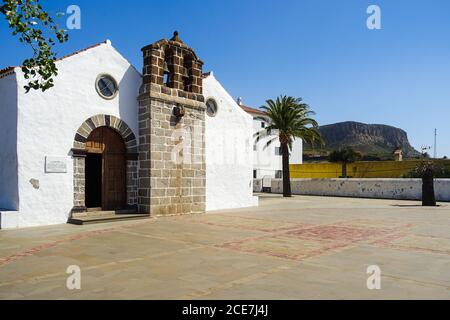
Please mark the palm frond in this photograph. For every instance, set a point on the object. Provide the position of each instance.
(270, 142)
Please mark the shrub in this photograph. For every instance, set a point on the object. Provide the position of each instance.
(440, 173)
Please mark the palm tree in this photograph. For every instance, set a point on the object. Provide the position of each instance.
(345, 156)
(289, 118)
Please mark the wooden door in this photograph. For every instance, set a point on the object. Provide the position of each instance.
(112, 147)
(114, 171)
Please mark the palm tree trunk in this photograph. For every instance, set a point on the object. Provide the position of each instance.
(344, 170)
(286, 171)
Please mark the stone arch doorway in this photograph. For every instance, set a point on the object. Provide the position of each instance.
(105, 154)
(105, 170)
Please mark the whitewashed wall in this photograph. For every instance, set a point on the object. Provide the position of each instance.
(229, 152)
(266, 161)
(401, 189)
(48, 122)
(297, 152)
(9, 197)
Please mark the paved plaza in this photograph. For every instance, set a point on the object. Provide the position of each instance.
(299, 248)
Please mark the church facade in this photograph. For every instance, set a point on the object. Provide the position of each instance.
(169, 140)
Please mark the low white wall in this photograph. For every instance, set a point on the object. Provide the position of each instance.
(401, 189)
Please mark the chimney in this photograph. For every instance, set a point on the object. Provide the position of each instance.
(239, 101)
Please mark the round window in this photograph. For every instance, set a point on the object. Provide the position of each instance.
(211, 107)
(106, 86)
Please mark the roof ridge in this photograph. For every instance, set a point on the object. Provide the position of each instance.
(7, 69)
(83, 50)
(252, 110)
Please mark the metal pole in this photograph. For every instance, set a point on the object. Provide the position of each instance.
(435, 144)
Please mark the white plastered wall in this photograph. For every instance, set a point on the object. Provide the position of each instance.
(9, 193)
(49, 121)
(297, 152)
(9, 197)
(229, 152)
(266, 161)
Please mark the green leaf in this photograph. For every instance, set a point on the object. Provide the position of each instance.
(41, 67)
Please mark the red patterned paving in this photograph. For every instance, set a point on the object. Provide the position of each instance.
(307, 249)
(256, 228)
(254, 224)
(317, 240)
(338, 233)
(33, 251)
(392, 242)
(306, 240)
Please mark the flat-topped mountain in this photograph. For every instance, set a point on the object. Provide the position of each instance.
(369, 139)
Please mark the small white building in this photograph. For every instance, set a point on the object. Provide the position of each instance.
(267, 160)
(82, 146)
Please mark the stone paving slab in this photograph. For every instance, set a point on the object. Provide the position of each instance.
(299, 248)
(316, 281)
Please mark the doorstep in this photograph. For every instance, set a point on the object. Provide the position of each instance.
(105, 216)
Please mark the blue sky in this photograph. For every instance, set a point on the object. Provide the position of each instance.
(320, 50)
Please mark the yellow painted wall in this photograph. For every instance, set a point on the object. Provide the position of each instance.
(369, 169)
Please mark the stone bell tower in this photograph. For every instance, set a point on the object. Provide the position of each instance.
(172, 170)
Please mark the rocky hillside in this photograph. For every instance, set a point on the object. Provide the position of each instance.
(369, 139)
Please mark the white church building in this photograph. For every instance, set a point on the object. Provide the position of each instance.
(107, 138)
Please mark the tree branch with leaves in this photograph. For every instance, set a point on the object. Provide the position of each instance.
(35, 28)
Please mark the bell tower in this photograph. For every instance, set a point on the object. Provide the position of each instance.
(172, 170)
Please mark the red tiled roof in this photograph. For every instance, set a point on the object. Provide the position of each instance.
(5, 70)
(253, 110)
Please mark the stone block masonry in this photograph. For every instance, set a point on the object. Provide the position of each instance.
(132, 182)
(79, 159)
(79, 168)
(172, 169)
